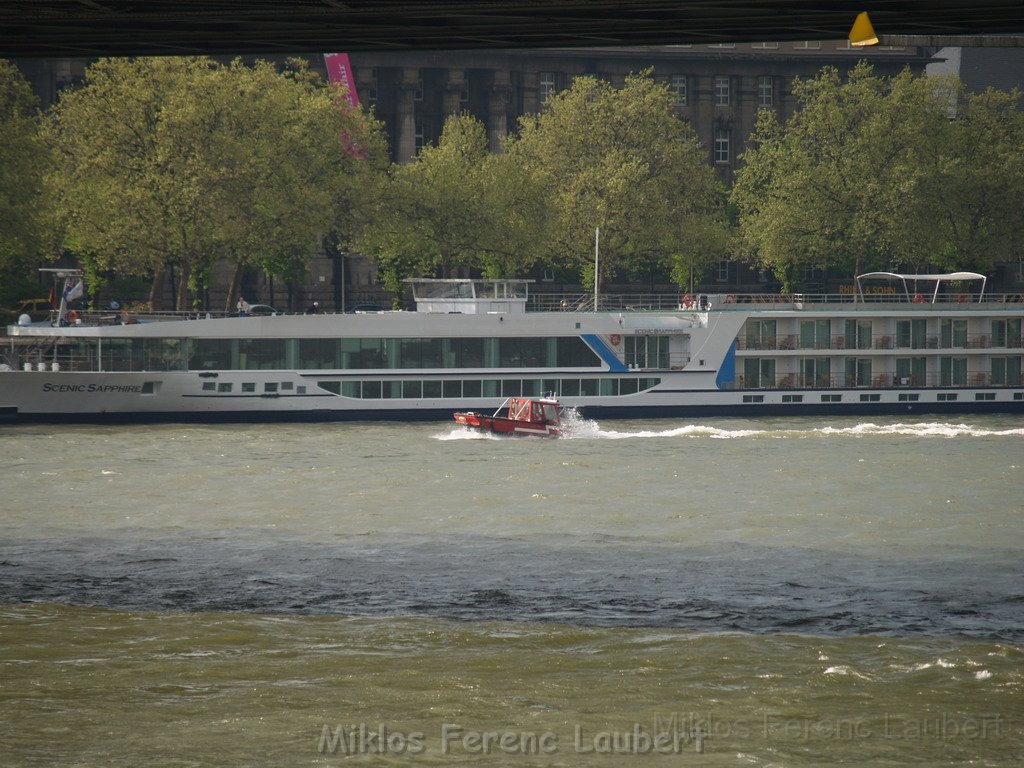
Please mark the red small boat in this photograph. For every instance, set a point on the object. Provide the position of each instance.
(518, 416)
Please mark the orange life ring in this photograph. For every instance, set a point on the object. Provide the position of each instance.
(730, 299)
(687, 301)
(615, 339)
(918, 298)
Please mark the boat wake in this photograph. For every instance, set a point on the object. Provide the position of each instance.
(576, 427)
(465, 433)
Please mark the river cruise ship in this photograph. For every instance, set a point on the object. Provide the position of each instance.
(926, 344)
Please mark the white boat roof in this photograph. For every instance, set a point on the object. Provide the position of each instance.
(947, 276)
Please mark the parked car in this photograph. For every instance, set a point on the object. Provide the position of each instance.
(261, 310)
(365, 308)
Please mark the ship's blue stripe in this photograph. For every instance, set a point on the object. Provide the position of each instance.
(595, 343)
(727, 371)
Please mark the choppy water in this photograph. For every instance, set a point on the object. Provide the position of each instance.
(786, 592)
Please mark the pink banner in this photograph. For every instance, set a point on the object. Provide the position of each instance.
(339, 70)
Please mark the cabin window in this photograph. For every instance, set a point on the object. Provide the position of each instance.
(209, 386)
(760, 334)
(984, 395)
(872, 398)
(647, 351)
(431, 388)
(753, 398)
(912, 334)
(451, 388)
(792, 398)
(412, 389)
(1006, 370)
(953, 333)
(815, 334)
(945, 397)
(815, 372)
(391, 390)
(911, 371)
(831, 398)
(953, 371)
(858, 334)
(909, 397)
(250, 386)
(1006, 333)
(758, 372)
(224, 386)
(261, 354)
(858, 371)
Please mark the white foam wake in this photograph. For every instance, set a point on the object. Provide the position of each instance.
(928, 429)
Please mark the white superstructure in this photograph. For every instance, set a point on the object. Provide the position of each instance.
(738, 355)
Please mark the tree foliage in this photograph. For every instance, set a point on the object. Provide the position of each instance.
(23, 160)
(873, 173)
(620, 160)
(181, 161)
(455, 206)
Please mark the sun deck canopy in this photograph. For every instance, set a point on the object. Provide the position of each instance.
(937, 279)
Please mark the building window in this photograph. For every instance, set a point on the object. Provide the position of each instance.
(764, 46)
(722, 152)
(721, 90)
(547, 87)
(679, 89)
(464, 94)
(370, 88)
(419, 138)
(765, 96)
(417, 94)
(807, 45)
(723, 277)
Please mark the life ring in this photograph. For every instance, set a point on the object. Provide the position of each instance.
(615, 339)
(72, 316)
(730, 299)
(687, 301)
(918, 298)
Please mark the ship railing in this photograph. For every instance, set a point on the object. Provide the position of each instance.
(799, 381)
(884, 342)
(723, 301)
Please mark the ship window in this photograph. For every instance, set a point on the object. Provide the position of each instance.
(649, 383)
(451, 389)
(628, 386)
(953, 371)
(224, 386)
(471, 388)
(287, 386)
(300, 390)
(431, 388)
(319, 353)
(334, 387)
(491, 387)
(792, 398)
(149, 387)
(945, 397)
(570, 387)
(261, 354)
(1018, 395)
(371, 390)
(609, 387)
(391, 389)
(349, 388)
(531, 387)
(511, 387)
(909, 397)
(588, 387)
(753, 398)
(1006, 370)
(412, 389)
(270, 386)
(550, 385)
(872, 398)
(984, 395)
(831, 398)
(647, 351)
(209, 386)
(250, 386)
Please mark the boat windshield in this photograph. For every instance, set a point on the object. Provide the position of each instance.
(550, 413)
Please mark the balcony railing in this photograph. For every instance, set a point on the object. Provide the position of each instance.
(879, 381)
(789, 342)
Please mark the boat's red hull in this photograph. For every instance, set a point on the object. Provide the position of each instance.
(504, 426)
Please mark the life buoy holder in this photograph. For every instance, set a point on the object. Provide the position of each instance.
(687, 301)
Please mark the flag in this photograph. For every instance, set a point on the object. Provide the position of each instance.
(74, 292)
(339, 70)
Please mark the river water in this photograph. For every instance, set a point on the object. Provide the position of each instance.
(769, 592)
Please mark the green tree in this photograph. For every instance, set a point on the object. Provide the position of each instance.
(620, 160)
(455, 207)
(177, 162)
(23, 161)
(872, 173)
